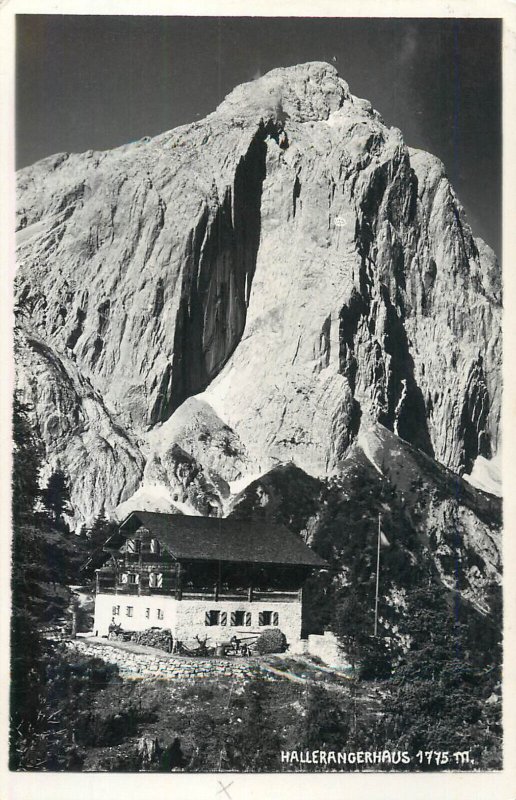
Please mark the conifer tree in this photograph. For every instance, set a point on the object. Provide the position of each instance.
(27, 455)
(56, 496)
(100, 531)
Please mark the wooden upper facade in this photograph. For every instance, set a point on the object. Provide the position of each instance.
(195, 557)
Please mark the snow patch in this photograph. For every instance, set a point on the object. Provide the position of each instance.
(239, 485)
(367, 443)
(486, 475)
(153, 498)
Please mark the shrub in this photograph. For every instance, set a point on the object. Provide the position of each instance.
(255, 747)
(205, 693)
(375, 661)
(97, 729)
(271, 641)
(326, 724)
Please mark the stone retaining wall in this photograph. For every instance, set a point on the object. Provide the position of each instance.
(161, 665)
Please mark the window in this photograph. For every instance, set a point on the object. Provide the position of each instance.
(212, 617)
(132, 577)
(154, 546)
(160, 613)
(238, 618)
(147, 613)
(268, 618)
(137, 545)
(155, 580)
(129, 611)
(115, 611)
(215, 618)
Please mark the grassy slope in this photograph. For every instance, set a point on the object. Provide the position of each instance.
(211, 719)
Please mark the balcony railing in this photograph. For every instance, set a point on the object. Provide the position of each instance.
(110, 586)
(256, 596)
(280, 597)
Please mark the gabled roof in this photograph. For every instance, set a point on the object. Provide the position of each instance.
(226, 539)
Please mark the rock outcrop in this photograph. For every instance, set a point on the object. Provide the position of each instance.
(259, 287)
(431, 514)
(458, 525)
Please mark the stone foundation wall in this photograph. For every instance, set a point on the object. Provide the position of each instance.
(161, 665)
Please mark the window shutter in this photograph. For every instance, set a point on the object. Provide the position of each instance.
(137, 578)
(260, 618)
(207, 618)
(152, 580)
(233, 618)
(124, 577)
(130, 546)
(159, 580)
(275, 618)
(248, 618)
(223, 617)
(154, 546)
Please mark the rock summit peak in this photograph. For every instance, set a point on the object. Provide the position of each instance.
(304, 92)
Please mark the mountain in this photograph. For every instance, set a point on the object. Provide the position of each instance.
(428, 515)
(266, 286)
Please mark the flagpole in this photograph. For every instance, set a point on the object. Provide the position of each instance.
(377, 581)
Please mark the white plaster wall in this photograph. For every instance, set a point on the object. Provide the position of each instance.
(186, 618)
(327, 648)
(139, 621)
(299, 648)
(191, 619)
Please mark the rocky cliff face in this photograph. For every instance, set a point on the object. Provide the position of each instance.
(429, 515)
(255, 288)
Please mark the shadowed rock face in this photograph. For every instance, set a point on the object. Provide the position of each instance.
(220, 260)
(432, 513)
(289, 261)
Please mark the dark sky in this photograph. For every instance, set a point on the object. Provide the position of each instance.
(95, 82)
